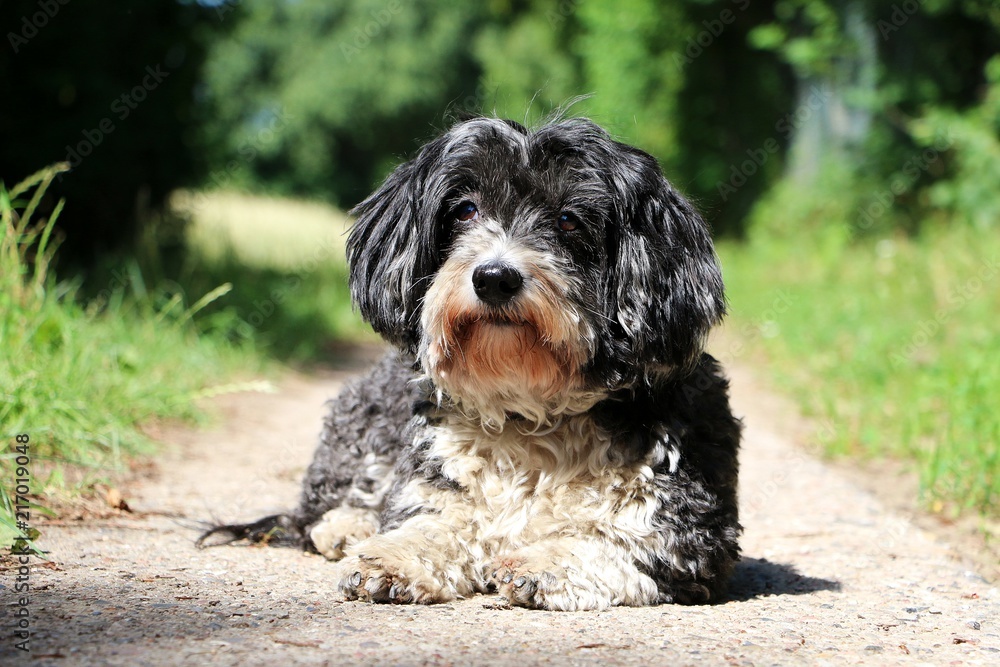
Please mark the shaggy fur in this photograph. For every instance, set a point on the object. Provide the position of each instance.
(549, 426)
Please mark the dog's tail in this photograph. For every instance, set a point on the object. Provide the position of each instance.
(277, 530)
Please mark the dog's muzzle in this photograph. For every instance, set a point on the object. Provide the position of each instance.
(496, 283)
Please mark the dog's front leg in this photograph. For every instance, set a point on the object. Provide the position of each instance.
(573, 574)
(425, 560)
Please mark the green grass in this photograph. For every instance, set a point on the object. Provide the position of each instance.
(286, 262)
(890, 344)
(262, 232)
(84, 365)
(80, 376)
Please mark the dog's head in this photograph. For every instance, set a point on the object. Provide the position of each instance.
(531, 269)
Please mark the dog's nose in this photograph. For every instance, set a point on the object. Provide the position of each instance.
(496, 283)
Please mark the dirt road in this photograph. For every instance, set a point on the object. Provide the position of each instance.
(829, 575)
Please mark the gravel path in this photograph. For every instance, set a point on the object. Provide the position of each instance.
(829, 575)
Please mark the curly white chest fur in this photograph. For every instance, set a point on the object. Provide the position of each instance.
(518, 487)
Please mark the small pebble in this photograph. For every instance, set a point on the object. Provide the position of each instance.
(973, 624)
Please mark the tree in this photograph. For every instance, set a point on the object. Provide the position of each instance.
(108, 88)
(321, 99)
(882, 65)
(732, 96)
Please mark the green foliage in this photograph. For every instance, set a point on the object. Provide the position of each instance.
(295, 315)
(639, 37)
(79, 379)
(809, 34)
(320, 98)
(829, 210)
(969, 193)
(888, 344)
(527, 69)
(885, 338)
(536, 57)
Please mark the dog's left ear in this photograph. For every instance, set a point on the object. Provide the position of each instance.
(665, 280)
(393, 249)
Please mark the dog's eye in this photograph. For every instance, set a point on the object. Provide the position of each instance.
(466, 211)
(567, 221)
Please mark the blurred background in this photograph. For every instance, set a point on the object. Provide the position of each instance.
(175, 175)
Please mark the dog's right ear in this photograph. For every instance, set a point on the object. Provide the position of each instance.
(393, 249)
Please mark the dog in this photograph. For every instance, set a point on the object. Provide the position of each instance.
(548, 426)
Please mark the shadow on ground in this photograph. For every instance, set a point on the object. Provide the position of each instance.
(759, 577)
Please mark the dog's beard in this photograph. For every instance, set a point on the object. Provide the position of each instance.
(524, 359)
(493, 352)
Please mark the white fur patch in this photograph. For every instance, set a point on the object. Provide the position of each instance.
(340, 528)
(555, 509)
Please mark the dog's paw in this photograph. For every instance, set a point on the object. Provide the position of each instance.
(540, 580)
(375, 580)
(536, 583)
(363, 579)
(523, 588)
(340, 528)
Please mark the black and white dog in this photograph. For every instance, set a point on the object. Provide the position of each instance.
(549, 426)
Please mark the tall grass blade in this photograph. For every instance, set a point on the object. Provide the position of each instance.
(217, 293)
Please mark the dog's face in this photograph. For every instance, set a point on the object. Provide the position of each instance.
(534, 271)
